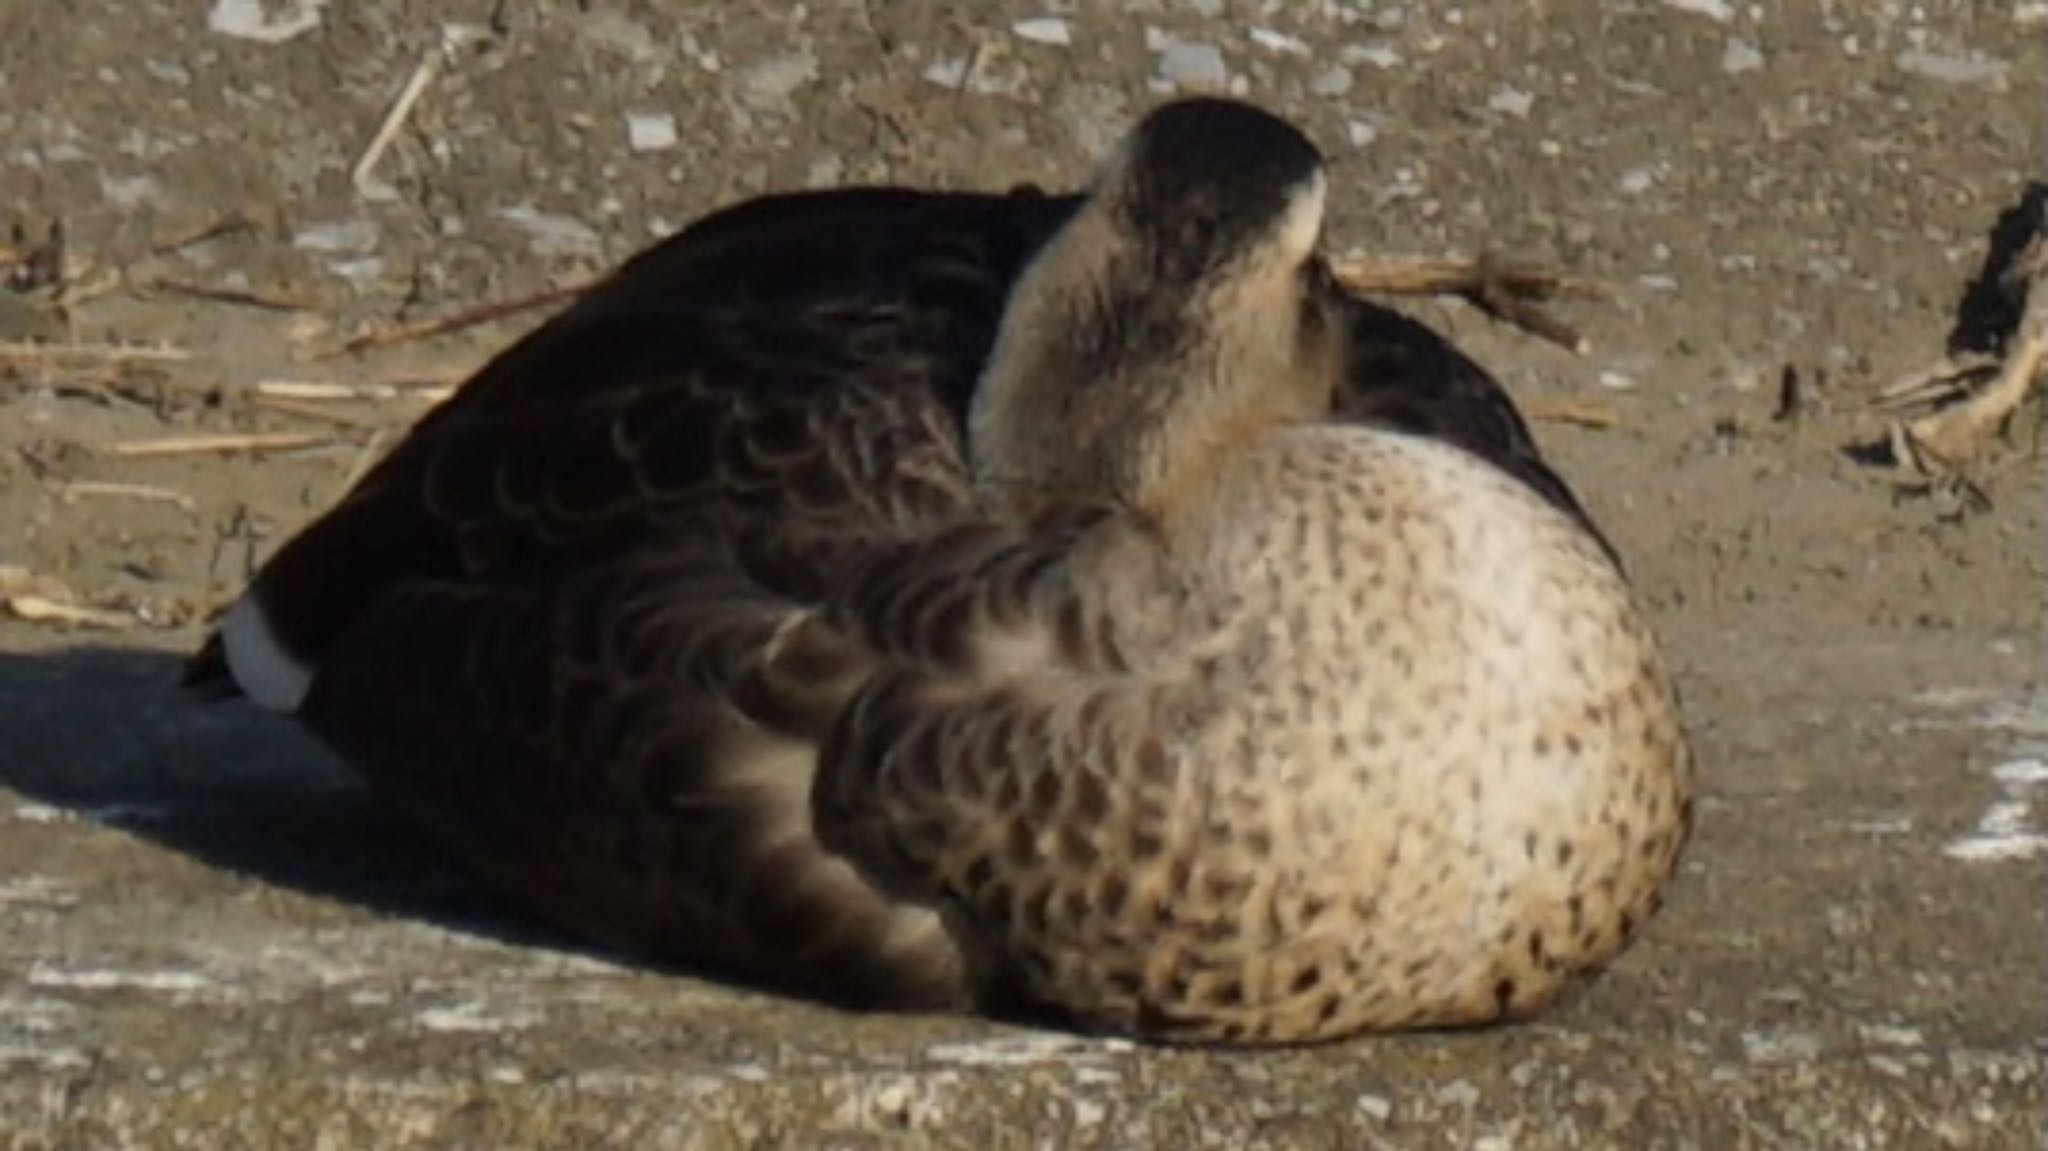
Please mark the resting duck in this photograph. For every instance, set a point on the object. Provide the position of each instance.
(942, 601)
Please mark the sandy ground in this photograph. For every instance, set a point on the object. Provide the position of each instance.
(208, 937)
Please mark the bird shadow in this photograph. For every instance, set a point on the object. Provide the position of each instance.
(109, 736)
(106, 735)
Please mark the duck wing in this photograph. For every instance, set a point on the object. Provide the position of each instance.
(562, 624)
(788, 377)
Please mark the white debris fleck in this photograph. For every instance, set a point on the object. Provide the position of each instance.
(1780, 1046)
(650, 131)
(1740, 56)
(1510, 101)
(130, 192)
(1027, 1051)
(2004, 831)
(826, 171)
(1615, 380)
(1360, 132)
(356, 235)
(46, 1058)
(2006, 817)
(768, 85)
(619, 33)
(366, 270)
(100, 979)
(1380, 55)
(552, 235)
(248, 20)
(469, 1018)
(1275, 41)
(168, 71)
(1052, 30)
(1188, 63)
(36, 890)
(1718, 10)
(1335, 81)
(1378, 1108)
(1459, 1093)
(1888, 1035)
(1973, 68)
(2021, 772)
(948, 71)
(1996, 848)
(1636, 181)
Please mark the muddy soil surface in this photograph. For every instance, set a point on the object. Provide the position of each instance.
(210, 937)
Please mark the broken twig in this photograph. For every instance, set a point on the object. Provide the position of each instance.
(116, 353)
(1509, 293)
(241, 296)
(150, 493)
(361, 176)
(1580, 413)
(202, 445)
(466, 318)
(1943, 442)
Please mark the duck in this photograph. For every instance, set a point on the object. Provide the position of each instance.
(1076, 604)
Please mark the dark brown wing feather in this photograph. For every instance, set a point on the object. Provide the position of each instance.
(789, 374)
(576, 745)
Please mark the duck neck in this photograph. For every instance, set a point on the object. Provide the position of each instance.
(1125, 392)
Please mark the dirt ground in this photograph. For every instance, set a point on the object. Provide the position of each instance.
(209, 937)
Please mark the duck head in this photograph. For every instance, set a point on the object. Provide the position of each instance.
(1183, 308)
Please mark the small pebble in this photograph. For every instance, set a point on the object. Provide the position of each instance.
(1780, 1046)
(1051, 30)
(1512, 102)
(1332, 83)
(1281, 42)
(356, 235)
(552, 235)
(1740, 56)
(1974, 68)
(1188, 63)
(650, 131)
(1718, 10)
(1459, 1093)
(769, 84)
(1381, 56)
(248, 20)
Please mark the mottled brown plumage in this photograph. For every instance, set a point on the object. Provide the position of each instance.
(928, 600)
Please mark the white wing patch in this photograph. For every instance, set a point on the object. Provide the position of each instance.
(270, 676)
